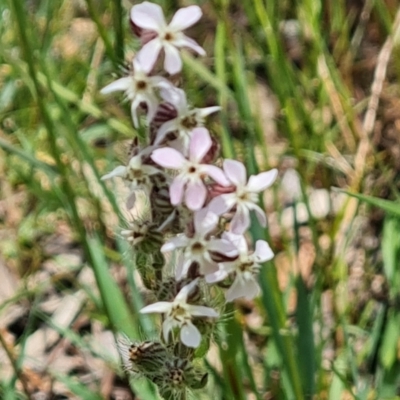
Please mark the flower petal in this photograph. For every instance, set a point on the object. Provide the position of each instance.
(242, 288)
(216, 173)
(222, 246)
(160, 307)
(119, 171)
(176, 190)
(204, 222)
(152, 104)
(135, 104)
(184, 41)
(172, 61)
(229, 266)
(190, 335)
(184, 18)
(148, 16)
(208, 267)
(195, 195)
(168, 158)
(236, 172)
(216, 276)
(180, 102)
(174, 243)
(260, 213)
(120, 84)
(263, 252)
(202, 311)
(166, 127)
(166, 327)
(200, 143)
(260, 182)
(204, 112)
(239, 241)
(221, 204)
(148, 54)
(185, 291)
(241, 221)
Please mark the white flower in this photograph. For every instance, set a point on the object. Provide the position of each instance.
(186, 120)
(189, 181)
(136, 175)
(198, 248)
(169, 37)
(179, 314)
(245, 268)
(139, 88)
(244, 197)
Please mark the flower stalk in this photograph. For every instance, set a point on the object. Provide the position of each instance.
(190, 242)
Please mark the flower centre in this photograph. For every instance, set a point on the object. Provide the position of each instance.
(245, 266)
(189, 122)
(168, 37)
(141, 85)
(197, 247)
(135, 174)
(192, 169)
(178, 313)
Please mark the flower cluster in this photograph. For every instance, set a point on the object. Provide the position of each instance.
(193, 235)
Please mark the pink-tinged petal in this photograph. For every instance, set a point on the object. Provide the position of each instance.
(166, 327)
(204, 112)
(168, 158)
(208, 267)
(176, 190)
(236, 172)
(171, 95)
(202, 311)
(160, 307)
(160, 82)
(222, 246)
(263, 252)
(260, 182)
(166, 127)
(186, 290)
(184, 18)
(119, 171)
(216, 173)
(180, 101)
(195, 195)
(184, 41)
(174, 243)
(172, 62)
(216, 276)
(239, 241)
(137, 67)
(221, 204)
(148, 16)
(229, 266)
(190, 335)
(241, 221)
(260, 213)
(204, 222)
(242, 288)
(118, 85)
(148, 54)
(200, 143)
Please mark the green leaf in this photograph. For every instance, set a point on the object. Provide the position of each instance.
(386, 205)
